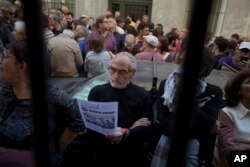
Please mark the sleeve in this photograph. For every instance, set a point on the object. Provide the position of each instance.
(87, 43)
(93, 95)
(86, 67)
(67, 107)
(226, 135)
(78, 55)
(208, 114)
(114, 48)
(142, 133)
(226, 140)
(163, 114)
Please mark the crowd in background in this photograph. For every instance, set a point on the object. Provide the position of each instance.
(84, 46)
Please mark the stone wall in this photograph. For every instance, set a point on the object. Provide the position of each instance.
(234, 14)
(237, 18)
(170, 13)
(92, 8)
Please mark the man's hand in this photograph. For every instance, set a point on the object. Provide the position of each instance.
(141, 122)
(242, 64)
(116, 137)
(120, 132)
(215, 127)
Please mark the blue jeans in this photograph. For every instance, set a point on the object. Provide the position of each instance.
(161, 154)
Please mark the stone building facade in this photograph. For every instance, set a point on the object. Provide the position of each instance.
(226, 17)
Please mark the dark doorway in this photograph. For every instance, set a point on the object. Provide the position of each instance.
(133, 8)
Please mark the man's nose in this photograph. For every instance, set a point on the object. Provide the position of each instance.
(116, 74)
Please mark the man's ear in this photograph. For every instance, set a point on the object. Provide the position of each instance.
(133, 73)
(23, 66)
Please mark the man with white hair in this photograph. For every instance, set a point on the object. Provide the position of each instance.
(135, 115)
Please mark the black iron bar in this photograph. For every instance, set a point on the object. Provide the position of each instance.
(42, 134)
(191, 65)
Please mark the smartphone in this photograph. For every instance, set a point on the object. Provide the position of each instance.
(244, 58)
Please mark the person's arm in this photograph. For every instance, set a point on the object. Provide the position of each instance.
(243, 64)
(244, 146)
(226, 67)
(208, 114)
(16, 158)
(114, 48)
(68, 112)
(78, 55)
(125, 133)
(226, 139)
(142, 128)
(162, 111)
(226, 136)
(86, 66)
(66, 138)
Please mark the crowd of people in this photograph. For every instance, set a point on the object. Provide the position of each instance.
(112, 43)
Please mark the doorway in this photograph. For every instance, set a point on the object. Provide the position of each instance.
(134, 8)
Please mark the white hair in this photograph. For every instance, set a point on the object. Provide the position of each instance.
(20, 26)
(130, 57)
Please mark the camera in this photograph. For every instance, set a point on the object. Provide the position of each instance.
(244, 58)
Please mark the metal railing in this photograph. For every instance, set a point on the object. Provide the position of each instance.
(43, 137)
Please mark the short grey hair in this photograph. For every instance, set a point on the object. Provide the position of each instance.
(133, 63)
(56, 16)
(83, 30)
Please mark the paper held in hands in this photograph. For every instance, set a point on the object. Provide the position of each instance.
(99, 116)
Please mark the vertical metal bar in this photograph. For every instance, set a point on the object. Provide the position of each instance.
(44, 142)
(191, 65)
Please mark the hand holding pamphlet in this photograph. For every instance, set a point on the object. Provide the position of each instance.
(99, 116)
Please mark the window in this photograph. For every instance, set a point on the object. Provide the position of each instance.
(58, 3)
(133, 8)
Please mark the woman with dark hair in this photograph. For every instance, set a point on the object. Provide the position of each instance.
(172, 37)
(98, 60)
(130, 30)
(16, 114)
(163, 49)
(234, 132)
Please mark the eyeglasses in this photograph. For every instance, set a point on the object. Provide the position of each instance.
(120, 72)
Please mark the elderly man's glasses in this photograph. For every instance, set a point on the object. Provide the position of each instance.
(120, 72)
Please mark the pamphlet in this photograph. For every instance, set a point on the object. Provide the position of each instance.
(99, 116)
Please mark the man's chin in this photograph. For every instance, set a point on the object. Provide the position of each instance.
(117, 85)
